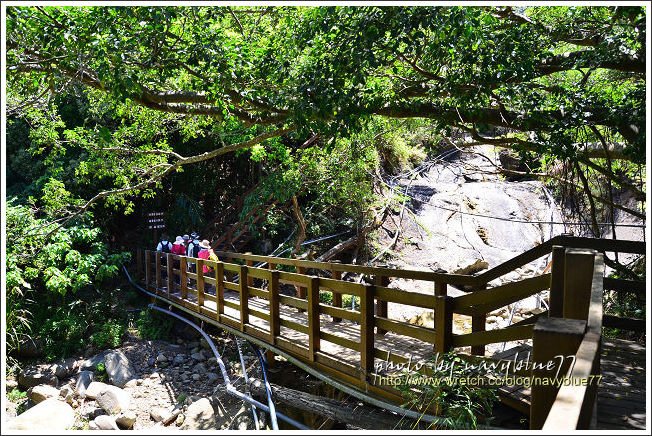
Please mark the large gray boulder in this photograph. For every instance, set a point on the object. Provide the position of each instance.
(92, 362)
(65, 367)
(94, 389)
(84, 379)
(37, 375)
(49, 416)
(200, 416)
(113, 400)
(118, 368)
(41, 393)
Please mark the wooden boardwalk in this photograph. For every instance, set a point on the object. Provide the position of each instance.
(284, 312)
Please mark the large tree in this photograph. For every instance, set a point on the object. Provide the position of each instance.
(568, 82)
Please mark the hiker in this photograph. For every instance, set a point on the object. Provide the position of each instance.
(193, 250)
(207, 253)
(164, 244)
(179, 248)
(186, 241)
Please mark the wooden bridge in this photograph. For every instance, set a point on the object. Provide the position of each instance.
(277, 305)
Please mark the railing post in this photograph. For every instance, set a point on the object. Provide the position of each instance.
(313, 317)
(244, 297)
(337, 297)
(381, 306)
(557, 282)
(274, 312)
(183, 273)
(159, 279)
(200, 282)
(443, 319)
(577, 282)
(148, 269)
(249, 263)
(271, 266)
(367, 331)
(554, 340)
(170, 269)
(219, 288)
(301, 290)
(478, 324)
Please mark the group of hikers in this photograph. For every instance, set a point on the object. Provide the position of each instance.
(189, 246)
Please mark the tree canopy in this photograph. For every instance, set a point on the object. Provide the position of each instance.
(568, 82)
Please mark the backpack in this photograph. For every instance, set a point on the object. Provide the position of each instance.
(195, 249)
(166, 247)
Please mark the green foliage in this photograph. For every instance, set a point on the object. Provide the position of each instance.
(100, 373)
(109, 334)
(152, 325)
(63, 332)
(16, 395)
(460, 404)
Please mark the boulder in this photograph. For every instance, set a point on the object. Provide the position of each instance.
(118, 368)
(472, 268)
(11, 384)
(65, 367)
(200, 416)
(84, 379)
(126, 419)
(158, 414)
(94, 390)
(161, 358)
(37, 375)
(106, 422)
(113, 400)
(511, 162)
(179, 359)
(92, 362)
(199, 356)
(66, 393)
(48, 416)
(41, 393)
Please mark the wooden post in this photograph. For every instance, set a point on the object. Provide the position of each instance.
(367, 331)
(301, 290)
(170, 268)
(577, 282)
(249, 263)
(200, 282)
(557, 282)
(337, 297)
(274, 312)
(271, 265)
(219, 288)
(478, 324)
(313, 317)
(381, 306)
(148, 268)
(553, 341)
(443, 323)
(183, 272)
(244, 297)
(159, 279)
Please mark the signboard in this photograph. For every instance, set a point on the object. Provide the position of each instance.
(155, 220)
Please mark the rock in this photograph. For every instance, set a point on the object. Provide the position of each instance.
(113, 400)
(179, 359)
(159, 414)
(118, 368)
(203, 344)
(180, 419)
(84, 379)
(199, 356)
(126, 419)
(94, 389)
(161, 358)
(10, 409)
(133, 383)
(200, 368)
(151, 361)
(200, 416)
(105, 422)
(179, 341)
(93, 426)
(37, 375)
(196, 377)
(11, 384)
(154, 375)
(41, 393)
(477, 266)
(211, 377)
(66, 393)
(94, 413)
(92, 362)
(48, 416)
(492, 319)
(65, 368)
(193, 344)
(425, 319)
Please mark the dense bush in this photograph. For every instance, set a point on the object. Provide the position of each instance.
(153, 325)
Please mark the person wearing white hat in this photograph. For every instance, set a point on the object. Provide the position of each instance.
(207, 253)
(178, 247)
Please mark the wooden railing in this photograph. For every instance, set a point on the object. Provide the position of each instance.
(371, 314)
